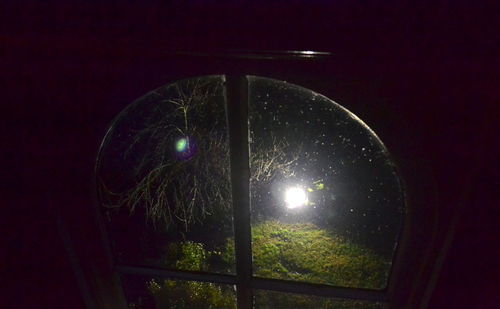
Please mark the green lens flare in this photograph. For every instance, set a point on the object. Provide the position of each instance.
(181, 145)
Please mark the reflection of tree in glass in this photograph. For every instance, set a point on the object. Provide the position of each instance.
(180, 156)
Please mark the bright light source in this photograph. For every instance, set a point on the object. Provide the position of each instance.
(295, 197)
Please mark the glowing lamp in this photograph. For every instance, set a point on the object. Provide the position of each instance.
(295, 197)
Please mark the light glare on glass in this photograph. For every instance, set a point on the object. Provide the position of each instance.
(181, 144)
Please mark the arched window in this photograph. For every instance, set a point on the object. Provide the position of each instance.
(240, 191)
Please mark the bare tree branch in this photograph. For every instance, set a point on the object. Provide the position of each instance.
(182, 192)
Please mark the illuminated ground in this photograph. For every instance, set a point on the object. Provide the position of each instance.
(299, 251)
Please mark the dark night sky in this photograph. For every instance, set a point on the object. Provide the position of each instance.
(362, 197)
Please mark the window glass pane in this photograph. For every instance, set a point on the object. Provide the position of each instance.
(163, 177)
(277, 300)
(326, 202)
(151, 293)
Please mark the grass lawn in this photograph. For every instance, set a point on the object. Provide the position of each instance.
(303, 252)
(299, 252)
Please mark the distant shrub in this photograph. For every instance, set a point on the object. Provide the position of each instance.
(191, 295)
(186, 255)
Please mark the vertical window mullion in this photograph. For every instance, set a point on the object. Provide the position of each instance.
(237, 113)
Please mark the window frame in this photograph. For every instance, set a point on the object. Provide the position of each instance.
(236, 96)
(348, 79)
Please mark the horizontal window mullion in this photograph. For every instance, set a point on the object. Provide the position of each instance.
(318, 289)
(176, 274)
(260, 283)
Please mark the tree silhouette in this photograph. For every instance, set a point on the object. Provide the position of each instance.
(185, 184)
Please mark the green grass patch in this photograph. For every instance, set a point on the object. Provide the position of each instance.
(299, 252)
(303, 252)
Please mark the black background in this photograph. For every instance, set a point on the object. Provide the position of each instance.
(67, 68)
